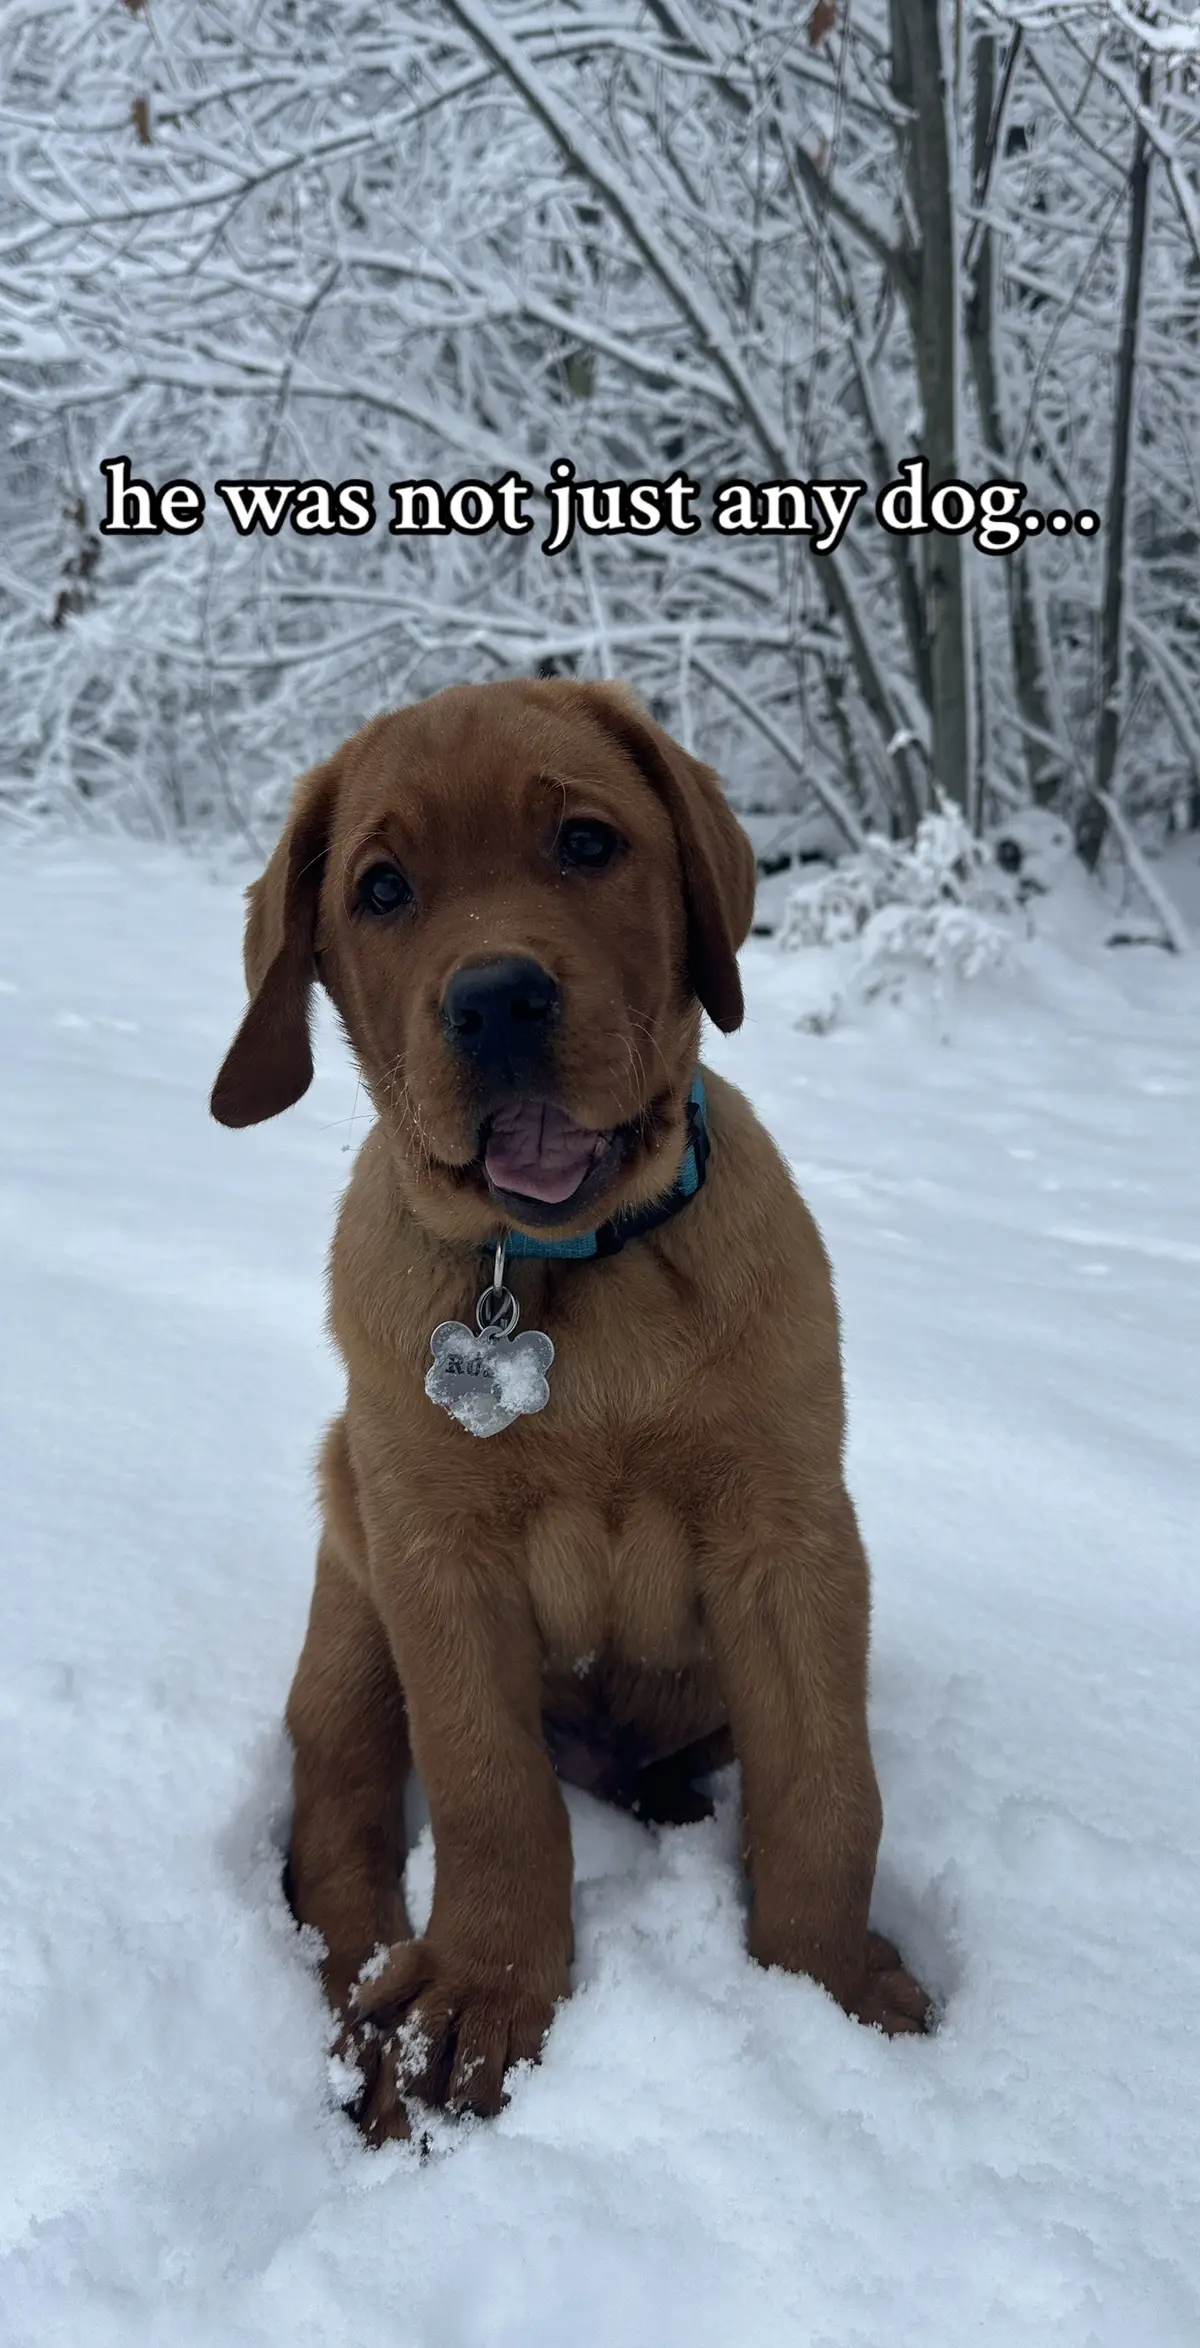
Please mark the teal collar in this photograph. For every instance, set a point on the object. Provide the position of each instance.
(612, 1236)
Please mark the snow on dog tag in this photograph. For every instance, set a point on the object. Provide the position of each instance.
(487, 1381)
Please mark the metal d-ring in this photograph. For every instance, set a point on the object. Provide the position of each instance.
(497, 1311)
(500, 1261)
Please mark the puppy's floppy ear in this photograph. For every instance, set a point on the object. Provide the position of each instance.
(719, 872)
(269, 1063)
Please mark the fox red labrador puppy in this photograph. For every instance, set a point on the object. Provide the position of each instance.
(619, 1550)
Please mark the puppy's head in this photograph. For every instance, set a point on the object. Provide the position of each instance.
(518, 896)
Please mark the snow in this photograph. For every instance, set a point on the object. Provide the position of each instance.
(487, 1381)
(709, 2154)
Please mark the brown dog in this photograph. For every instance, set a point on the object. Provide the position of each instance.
(519, 896)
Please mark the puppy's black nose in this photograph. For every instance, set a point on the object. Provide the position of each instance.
(500, 1013)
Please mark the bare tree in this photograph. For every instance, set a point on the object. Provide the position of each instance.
(1094, 813)
(923, 86)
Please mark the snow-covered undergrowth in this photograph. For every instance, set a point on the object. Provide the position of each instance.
(911, 920)
(710, 2156)
(936, 906)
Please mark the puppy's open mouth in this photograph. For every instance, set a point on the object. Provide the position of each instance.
(534, 1155)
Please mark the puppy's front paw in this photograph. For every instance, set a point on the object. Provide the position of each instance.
(440, 2033)
(889, 1998)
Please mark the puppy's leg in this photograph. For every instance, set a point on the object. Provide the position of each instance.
(476, 1992)
(346, 1719)
(789, 1630)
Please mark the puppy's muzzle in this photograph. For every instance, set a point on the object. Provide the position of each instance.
(501, 1015)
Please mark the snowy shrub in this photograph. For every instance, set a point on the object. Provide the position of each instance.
(936, 906)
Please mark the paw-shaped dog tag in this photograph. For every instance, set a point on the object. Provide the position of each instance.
(487, 1380)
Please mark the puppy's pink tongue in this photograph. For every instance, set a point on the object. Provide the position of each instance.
(538, 1151)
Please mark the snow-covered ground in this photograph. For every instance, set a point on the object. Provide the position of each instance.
(710, 2156)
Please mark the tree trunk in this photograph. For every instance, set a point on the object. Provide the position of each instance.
(1093, 816)
(1046, 767)
(919, 82)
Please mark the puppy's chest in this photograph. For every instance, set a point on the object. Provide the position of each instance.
(619, 1580)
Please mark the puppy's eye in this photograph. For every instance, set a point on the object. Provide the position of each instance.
(382, 889)
(587, 846)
